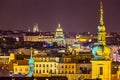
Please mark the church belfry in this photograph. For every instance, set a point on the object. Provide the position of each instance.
(101, 63)
(31, 65)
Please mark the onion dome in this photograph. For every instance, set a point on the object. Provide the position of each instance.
(101, 52)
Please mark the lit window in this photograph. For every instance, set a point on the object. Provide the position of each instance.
(47, 65)
(43, 71)
(39, 65)
(65, 72)
(101, 70)
(36, 65)
(43, 65)
(36, 71)
(65, 66)
(51, 65)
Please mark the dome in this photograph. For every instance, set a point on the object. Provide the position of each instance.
(59, 29)
(101, 51)
(31, 61)
(101, 28)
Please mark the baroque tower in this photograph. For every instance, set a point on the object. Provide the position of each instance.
(101, 63)
(31, 65)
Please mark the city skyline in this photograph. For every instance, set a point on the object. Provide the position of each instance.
(74, 16)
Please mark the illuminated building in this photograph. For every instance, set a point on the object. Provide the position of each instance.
(4, 59)
(20, 66)
(44, 66)
(59, 36)
(35, 28)
(66, 66)
(101, 63)
(50, 37)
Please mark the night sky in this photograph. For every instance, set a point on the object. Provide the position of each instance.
(73, 15)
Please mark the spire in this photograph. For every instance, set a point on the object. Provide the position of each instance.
(31, 52)
(101, 13)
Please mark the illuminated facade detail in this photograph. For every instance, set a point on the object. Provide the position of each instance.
(35, 28)
(12, 57)
(59, 35)
(31, 65)
(4, 59)
(21, 66)
(101, 63)
(67, 66)
(45, 65)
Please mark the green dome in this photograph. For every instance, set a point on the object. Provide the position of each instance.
(101, 51)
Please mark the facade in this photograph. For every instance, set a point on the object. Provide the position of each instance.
(21, 66)
(45, 65)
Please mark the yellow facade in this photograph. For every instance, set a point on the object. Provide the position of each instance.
(67, 68)
(101, 69)
(45, 65)
(45, 68)
(24, 69)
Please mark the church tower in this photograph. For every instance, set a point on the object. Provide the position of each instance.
(31, 65)
(101, 63)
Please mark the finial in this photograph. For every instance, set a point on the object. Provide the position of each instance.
(59, 25)
(101, 13)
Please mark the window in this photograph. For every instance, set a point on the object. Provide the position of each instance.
(20, 69)
(50, 70)
(69, 72)
(39, 65)
(26, 69)
(101, 70)
(47, 71)
(36, 65)
(55, 70)
(65, 72)
(47, 65)
(36, 71)
(65, 66)
(55, 65)
(40, 71)
(51, 65)
(15, 69)
(43, 65)
(43, 71)
(72, 66)
(69, 66)
(72, 72)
